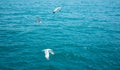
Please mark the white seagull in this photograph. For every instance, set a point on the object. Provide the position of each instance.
(47, 51)
(57, 9)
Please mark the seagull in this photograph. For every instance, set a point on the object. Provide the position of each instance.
(38, 20)
(47, 51)
(57, 9)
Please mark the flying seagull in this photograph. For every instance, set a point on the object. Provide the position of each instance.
(57, 9)
(38, 20)
(47, 51)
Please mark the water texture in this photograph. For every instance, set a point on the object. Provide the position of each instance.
(85, 34)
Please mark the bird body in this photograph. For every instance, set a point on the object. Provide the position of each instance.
(47, 52)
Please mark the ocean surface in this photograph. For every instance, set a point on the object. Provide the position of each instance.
(85, 34)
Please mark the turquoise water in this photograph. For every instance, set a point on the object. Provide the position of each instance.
(85, 35)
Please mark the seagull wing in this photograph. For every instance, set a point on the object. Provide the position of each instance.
(47, 54)
(51, 51)
(57, 9)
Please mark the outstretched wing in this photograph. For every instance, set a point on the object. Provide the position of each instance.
(51, 51)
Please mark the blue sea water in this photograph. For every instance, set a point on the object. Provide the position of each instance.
(85, 34)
